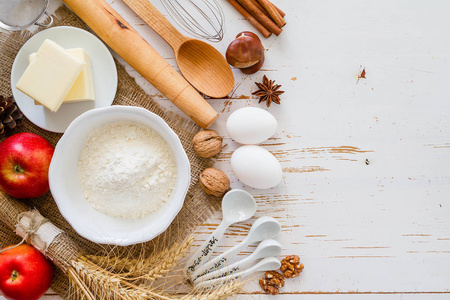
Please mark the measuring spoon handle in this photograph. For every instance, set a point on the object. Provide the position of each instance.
(220, 281)
(218, 261)
(206, 249)
(156, 20)
(268, 263)
(225, 271)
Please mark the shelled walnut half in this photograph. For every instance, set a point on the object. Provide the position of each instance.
(272, 283)
(291, 266)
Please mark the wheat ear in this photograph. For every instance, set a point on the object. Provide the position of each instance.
(107, 285)
(225, 291)
(140, 266)
(98, 281)
(81, 286)
(166, 263)
(149, 268)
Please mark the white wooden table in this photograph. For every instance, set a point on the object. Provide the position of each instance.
(375, 230)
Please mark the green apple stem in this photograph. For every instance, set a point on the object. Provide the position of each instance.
(14, 275)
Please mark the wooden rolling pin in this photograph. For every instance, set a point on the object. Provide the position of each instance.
(126, 42)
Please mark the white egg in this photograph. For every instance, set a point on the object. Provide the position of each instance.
(256, 167)
(251, 125)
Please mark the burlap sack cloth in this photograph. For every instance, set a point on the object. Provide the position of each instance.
(197, 206)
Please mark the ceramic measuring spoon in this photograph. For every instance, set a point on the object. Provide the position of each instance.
(263, 228)
(237, 206)
(199, 62)
(265, 249)
(266, 264)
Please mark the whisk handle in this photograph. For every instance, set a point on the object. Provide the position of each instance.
(156, 20)
(127, 43)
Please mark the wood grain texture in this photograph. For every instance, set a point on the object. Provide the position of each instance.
(382, 296)
(201, 64)
(118, 34)
(364, 231)
(364, 199)
(156, 20)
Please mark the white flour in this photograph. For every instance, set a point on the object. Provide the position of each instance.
(126, 170)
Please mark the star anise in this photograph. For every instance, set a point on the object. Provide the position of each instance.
(268, 91)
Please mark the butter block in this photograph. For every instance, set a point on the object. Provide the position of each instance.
(49, 78)
(83, 88)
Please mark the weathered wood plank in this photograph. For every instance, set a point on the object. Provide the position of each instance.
(377, 227)
(328, 297)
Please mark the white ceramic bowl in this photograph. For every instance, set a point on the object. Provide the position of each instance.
(67, 192)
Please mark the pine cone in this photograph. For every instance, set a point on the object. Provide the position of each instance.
(10, 116)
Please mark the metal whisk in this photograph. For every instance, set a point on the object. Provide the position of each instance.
(201, 18)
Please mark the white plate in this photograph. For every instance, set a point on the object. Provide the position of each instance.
(103, 70)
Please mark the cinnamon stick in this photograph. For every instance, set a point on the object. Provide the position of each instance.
(263, 30)
(282, 13)
(260, 16)
(274, 14)
(255, 2)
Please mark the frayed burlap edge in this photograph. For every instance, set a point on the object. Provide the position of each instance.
(197, 206)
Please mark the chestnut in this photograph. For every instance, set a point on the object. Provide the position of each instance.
(250, 34)
(255, 68)
(245, 51)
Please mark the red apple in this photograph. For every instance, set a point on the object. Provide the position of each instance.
(25, 274)
(24, 162)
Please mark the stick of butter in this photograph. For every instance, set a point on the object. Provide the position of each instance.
(83, 88)
(49, 78)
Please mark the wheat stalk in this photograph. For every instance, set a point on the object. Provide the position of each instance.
(167, 262)
(141, 264)
(103, 283)
(90, 281)
(113, 286)
(94, 282)
(150, 268)
(77, 282)
(225, 291)
(109, 286)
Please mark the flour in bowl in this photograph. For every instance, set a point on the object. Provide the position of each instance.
(126, 170)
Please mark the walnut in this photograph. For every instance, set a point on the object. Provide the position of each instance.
(291, 266)
(275, 278)
(214, 182)
(207, 143)
(272, 283)
(267, 288)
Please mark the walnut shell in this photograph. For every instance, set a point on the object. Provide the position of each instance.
(207, 143)
(214, 182)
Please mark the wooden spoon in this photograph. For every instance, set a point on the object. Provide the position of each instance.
(199, 62)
